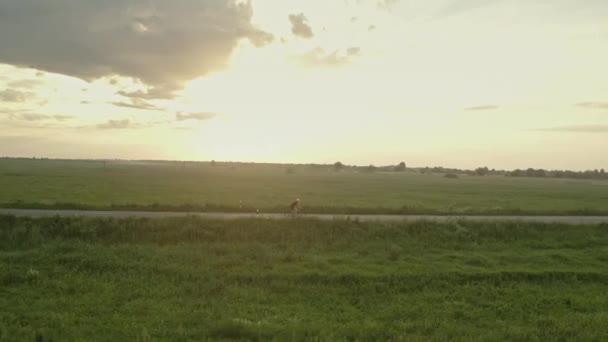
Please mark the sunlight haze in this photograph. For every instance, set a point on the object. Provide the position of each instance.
(503, 83)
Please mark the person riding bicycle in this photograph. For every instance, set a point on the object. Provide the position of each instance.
(294, 207)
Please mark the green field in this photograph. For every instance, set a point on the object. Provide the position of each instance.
(270, 188)
(193, 279)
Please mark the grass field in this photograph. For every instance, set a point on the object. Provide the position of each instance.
(270, 188)
(193, 279)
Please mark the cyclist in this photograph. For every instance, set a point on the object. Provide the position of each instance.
(294, 207)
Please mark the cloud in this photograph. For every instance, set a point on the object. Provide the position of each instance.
(592, 128)
(386, 5)
(127, 124)
(137, 103)
(481, 108)
(11, 95)
(161, 43)
(164, 92)
(195, 116)
(371, 28)
(38, 117)
(118, 124)
(318, 57)
(25, 83)
(300, 27)
(353, 51)
(593, 105)
(260, 38)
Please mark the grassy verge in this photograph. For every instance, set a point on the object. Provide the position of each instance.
(200, 279)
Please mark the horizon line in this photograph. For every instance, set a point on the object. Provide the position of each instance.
(288, 164)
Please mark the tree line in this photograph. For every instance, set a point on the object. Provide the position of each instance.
(480, 171)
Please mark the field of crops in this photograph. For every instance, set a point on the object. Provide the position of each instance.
(270, 188)
(197, 279)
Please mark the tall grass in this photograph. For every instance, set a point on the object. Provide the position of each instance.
(252, 279)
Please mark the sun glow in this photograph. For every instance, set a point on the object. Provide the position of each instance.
(425, 81)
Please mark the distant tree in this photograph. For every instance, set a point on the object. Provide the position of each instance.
(602, 172)
(540, 173)
(530, 172)
(338, 166)
(213, 163)
(482, 171)
(451, 175)
(370, 168)
(401, 167)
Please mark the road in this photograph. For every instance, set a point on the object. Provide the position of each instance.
(385, 218)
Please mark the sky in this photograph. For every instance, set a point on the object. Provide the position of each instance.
(455, 83)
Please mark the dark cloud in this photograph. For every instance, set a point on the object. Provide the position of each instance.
(137, 103)
(195, 116)
(484, 107)
(593, 128)
(300, 27)
(11, 95)
(118, 124)
(162, 43)
(320, 58)
(593, 105)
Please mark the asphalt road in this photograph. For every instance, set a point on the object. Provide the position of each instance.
(434, 218)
